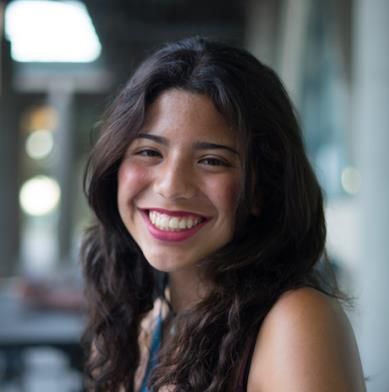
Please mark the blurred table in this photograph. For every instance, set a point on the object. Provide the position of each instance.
(23, 326)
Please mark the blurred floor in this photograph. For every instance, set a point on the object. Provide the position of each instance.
(39, 370)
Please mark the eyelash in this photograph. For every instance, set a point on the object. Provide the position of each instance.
(148, 152)
(210, 161)
(214, 162)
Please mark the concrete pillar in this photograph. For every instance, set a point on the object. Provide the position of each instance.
(9, 163)
(294, 24)
(371, 124)
(261, 35)
(61, 98)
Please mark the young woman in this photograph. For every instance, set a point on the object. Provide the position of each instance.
(201, 267)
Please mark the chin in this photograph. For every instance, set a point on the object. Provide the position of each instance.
(170, 264)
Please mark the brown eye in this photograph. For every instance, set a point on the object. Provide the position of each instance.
(214, 162)
(147, 152)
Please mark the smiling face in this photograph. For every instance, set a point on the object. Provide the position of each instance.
(179, 182)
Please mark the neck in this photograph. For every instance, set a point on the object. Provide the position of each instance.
(186, 290)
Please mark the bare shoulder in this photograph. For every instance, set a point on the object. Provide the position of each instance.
(306, 343)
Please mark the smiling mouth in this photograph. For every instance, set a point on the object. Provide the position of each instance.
(174, 223)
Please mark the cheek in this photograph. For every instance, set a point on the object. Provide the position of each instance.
(131, 180)
(226, 194)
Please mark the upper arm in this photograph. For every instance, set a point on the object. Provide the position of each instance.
(306, 344)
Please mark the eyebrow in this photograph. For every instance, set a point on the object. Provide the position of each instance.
(197, 145)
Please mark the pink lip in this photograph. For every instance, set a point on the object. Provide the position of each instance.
(172, 236)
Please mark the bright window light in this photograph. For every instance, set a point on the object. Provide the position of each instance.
(351, 180)
(51, 31)
(39, 144)
(39, 195)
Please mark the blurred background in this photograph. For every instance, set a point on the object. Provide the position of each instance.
(62, 61)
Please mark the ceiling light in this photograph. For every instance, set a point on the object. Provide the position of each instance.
(51, 31)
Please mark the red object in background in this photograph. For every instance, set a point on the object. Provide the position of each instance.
(43, 295)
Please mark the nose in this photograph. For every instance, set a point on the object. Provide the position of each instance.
(175, 180)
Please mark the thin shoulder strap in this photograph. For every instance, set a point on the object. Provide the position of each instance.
(245, 365)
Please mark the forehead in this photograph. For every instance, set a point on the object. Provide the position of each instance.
(181, 112)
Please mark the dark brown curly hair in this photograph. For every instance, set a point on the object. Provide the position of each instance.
(271, 252)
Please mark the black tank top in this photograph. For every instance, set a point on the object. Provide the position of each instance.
(245, 366)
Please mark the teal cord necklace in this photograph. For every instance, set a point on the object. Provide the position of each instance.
(155, 345)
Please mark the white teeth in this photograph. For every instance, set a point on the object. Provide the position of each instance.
(182, 224)
(163, 221)
(169, 223)
(173, 223)
(190, 223)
